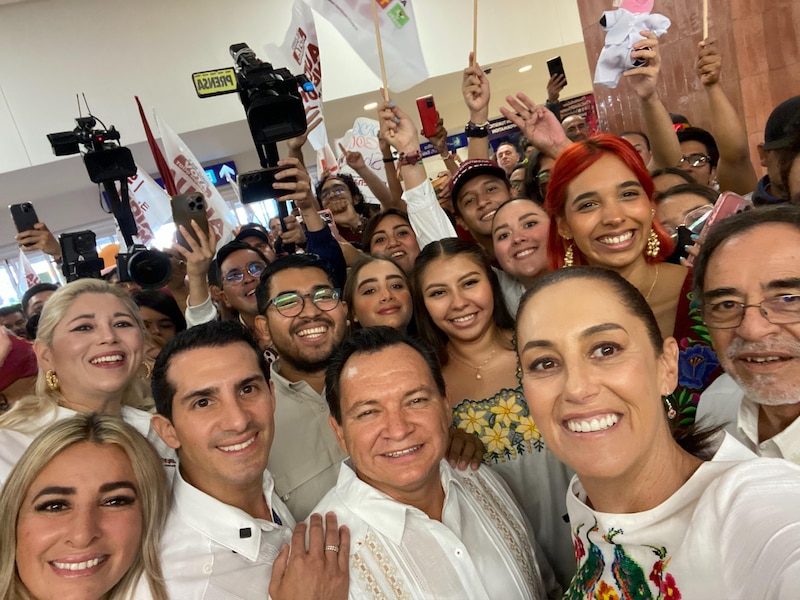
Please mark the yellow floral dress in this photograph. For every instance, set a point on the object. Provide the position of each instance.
(538, 480)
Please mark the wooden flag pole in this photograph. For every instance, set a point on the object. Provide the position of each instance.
(475, 31)
(380, 49)
(705, 19)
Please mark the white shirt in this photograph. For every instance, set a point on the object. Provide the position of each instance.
(305, 455)
(724, 402)
(731, 531)
(216, 551)
(481, 549)
(14, 443)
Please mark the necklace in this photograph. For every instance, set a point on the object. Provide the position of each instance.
(653, 285)
(479, 367)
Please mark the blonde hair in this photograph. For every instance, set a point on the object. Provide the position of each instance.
(25, 412)
(152, 492)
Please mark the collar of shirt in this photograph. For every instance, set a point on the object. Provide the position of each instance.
(291, 386)
(383, 513)
(226, 525)
(785, 444)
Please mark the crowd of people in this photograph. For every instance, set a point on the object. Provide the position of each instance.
(536, 374)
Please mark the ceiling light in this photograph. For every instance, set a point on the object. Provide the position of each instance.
(371, 106)
(525, 68)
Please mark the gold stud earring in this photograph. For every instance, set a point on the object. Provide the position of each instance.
(52, 380)
(569, 258)
(653, 244)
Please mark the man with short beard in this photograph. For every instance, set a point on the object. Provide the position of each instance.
(300, 309)
(747, 278)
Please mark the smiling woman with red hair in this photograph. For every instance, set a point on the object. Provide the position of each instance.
(600, 200)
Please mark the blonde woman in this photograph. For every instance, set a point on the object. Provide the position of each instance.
(81, 515)
(90, 349)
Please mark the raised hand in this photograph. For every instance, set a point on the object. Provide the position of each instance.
(709, 62)
(397, 128)
(477, 91)
(644, 79)
(539, 125)
(555, 84)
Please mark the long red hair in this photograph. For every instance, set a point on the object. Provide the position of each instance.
(572, 162)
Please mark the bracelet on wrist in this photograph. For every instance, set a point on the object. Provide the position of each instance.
(389, 160)
(410, 158)
(477, 131)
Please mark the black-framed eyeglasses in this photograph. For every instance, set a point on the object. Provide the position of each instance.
(694, 160)
(334, 190)
(729, 314)
(291, 304)
(254, 269)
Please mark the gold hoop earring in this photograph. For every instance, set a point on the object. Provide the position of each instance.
(52, 380)
(671, 412)
(569, 258)
(148, 370)
(653, 244)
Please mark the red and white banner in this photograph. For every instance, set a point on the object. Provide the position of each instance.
(405, 64)
(189, 176)
(26, 276)
(300, 54)
(149, 204)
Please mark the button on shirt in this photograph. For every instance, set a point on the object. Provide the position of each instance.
(216, 551)
(481, 549)
(305, 455)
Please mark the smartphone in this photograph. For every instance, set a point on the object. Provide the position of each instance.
(726, 205)
(556, 67)
(256, 186)
(327, 216)
(24, 216)
(428, 115)
(186, 207)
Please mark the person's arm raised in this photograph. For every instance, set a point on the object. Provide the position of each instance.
(537, 123)
(658, 124)
(735, 170)
(355, 160)
(477, 93)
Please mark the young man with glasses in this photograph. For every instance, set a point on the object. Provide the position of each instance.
(300, 310)
(747, 278)
(700, 155)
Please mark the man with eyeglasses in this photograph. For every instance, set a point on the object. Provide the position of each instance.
(700, 155)
(300, 309)
(747, 278)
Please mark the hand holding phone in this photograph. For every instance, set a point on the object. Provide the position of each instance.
(428, 115)
(185, 208)
(556, 67)
(24, 216)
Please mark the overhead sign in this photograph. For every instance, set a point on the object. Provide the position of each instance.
(216, 173)
(214, 83)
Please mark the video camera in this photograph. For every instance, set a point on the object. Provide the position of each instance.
(108, 163)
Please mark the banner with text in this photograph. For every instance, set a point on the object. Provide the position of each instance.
(300, 54)
(150, 205)
(26, 275)
(363, 138)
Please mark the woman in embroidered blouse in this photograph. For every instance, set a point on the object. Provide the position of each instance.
(460, 313)
(600, 200)
(651, 515)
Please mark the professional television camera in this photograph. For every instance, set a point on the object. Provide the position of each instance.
(108, 163)
(274, 111)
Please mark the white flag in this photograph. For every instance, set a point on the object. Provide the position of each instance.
(149, 204)
(26, 276)
(405, 64)
(189, 176)
(300, 54)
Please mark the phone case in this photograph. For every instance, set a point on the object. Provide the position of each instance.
(24, 216)
(428, 115)
(556, 66)
(186, 207)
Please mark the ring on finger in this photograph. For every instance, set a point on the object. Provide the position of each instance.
(332, 548)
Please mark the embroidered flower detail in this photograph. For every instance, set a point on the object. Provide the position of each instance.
(657, 573)
(580, 550)
(669, 589)
(605, 592)
(496, 438)
(696, 364)
(507, 410)
(472, 420)
(527, 429)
